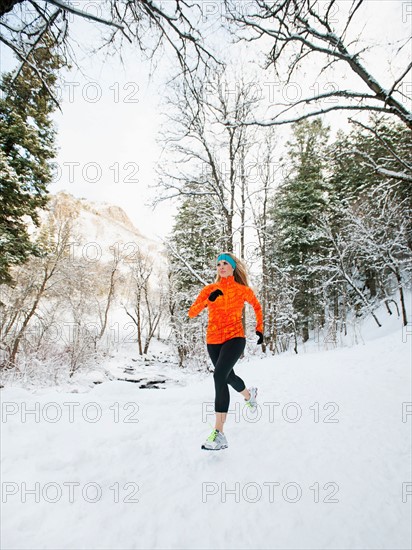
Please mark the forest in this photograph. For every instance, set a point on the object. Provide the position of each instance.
(322, 217)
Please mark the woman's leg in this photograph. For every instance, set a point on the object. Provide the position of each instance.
(246, 394)
(224, 360)
(237, 383)
(214, 351)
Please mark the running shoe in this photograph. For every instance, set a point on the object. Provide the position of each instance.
(215, 442)
(251, 402)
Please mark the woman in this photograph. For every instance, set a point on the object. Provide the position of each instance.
(225, 336)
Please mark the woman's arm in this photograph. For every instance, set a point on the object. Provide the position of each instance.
(254, 302)
(200, 303)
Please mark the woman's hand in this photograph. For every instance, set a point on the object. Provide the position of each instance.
(213, 295)
(260, 341)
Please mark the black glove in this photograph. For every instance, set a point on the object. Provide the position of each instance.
(213, 295)
(260, 341)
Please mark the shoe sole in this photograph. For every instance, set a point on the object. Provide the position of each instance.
(219, 449)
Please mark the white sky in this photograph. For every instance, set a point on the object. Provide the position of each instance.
(111, 113)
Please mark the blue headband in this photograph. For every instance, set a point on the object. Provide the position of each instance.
(228, 259)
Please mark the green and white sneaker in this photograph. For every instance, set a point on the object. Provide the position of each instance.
(251, 402)
(215, 442)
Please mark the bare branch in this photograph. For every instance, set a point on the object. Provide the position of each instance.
(133, 18)
(408, 68)
(383, 171)
(33, 67)
(297, 23)
(275, 122)
(41, 34)
(80, 13)
(179, 257)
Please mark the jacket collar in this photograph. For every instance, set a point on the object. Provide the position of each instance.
(227, 280)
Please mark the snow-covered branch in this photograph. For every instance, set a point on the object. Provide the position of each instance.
(299, 24)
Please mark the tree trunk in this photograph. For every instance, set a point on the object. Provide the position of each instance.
(27, 319)
(8, 5)
(109, 299)
(402, 298)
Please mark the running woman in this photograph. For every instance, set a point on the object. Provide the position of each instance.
(225, 338)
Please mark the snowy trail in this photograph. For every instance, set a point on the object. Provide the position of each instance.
(261, 492)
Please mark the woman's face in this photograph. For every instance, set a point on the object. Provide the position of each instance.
(224, 269)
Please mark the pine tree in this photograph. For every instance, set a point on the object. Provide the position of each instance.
(367, 165)
(368, 159)
(297, 206)
(371, 154)
(27, 145)
(195, 241)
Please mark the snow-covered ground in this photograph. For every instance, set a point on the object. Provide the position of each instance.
(324, 463)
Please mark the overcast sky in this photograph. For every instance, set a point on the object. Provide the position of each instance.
(107, 130)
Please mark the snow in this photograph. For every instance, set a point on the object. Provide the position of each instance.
(332, 425)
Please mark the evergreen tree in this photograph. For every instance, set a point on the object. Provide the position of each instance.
(196, 239)
(367, 165)
(27, 145)
(297, 206)
(372, 159)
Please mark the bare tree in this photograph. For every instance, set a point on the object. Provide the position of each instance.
(146, 305)
(370, 247)
(36, 280)
(300, 28)
(150, 24)
(380, 236)
(104, 310)
(341, 269)
(259, 206)
(402, 173)
(207, 157)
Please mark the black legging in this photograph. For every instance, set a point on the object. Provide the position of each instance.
(224, 357)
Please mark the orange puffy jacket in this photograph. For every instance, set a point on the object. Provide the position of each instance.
(225, 313)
